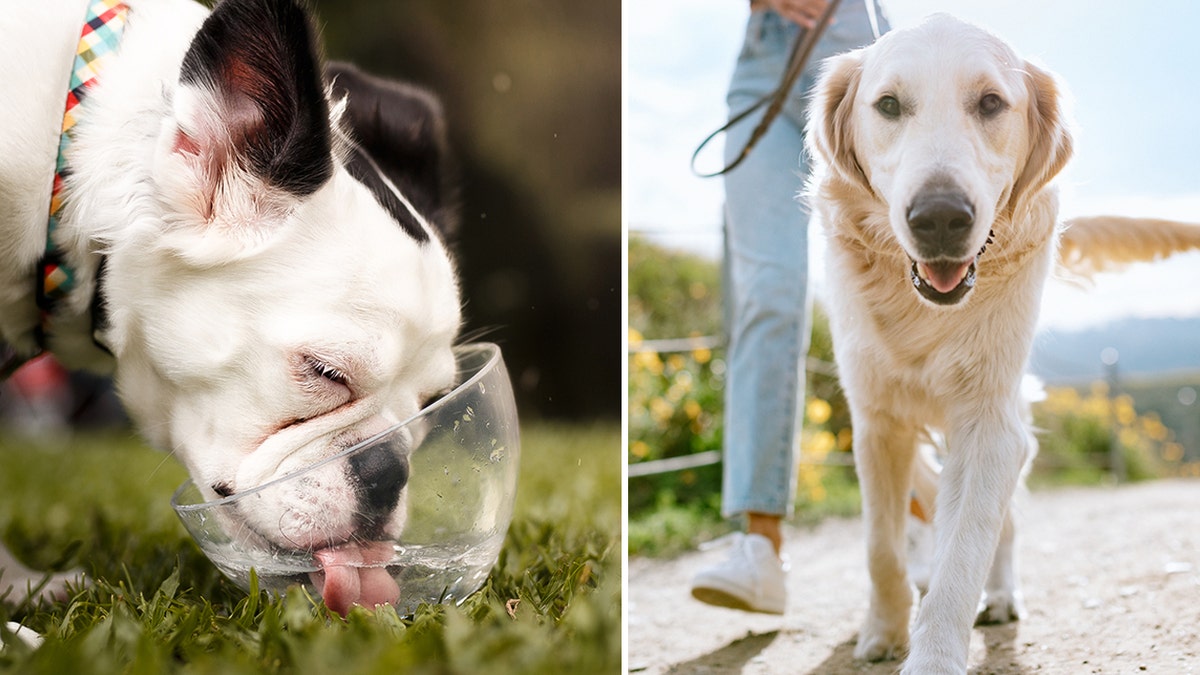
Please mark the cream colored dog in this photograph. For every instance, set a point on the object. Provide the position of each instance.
(935, 147)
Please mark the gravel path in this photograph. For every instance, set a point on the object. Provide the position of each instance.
(1111, 579)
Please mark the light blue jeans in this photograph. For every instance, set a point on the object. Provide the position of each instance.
(766, 263)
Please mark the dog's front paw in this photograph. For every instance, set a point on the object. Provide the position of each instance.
(1000, 608)
(916, 665)
(935, 651)
(876, 643)
(30, 638)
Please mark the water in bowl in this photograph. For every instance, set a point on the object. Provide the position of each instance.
(460, 495)
(426, 573)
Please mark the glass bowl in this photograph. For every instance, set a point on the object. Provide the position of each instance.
(458, 492)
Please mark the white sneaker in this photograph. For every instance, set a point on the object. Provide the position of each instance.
(751, 579)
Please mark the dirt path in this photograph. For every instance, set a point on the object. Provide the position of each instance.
(1111, 579)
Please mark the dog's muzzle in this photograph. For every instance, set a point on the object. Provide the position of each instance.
(379, 474)
(941, 222)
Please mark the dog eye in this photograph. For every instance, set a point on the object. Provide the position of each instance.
(991, 104)
(889, 107)
(326, 371)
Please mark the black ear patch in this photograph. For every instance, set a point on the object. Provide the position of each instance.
(400, 128)
(259, 59)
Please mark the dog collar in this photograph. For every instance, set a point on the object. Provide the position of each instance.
(101, 34)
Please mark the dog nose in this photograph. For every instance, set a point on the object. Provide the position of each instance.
(380, 472)
(940, 222)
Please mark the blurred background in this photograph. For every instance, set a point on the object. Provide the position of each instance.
(532, 95)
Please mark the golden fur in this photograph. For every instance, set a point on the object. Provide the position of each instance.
(909, 363)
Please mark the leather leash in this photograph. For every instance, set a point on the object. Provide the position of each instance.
(802, 48)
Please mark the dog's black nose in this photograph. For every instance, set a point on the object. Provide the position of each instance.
(379, 472)
(941, 222)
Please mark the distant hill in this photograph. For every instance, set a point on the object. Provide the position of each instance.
(1145, 347)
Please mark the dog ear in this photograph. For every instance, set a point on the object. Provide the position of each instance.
(401, 128)
(829, 130)
(250, 113)
(1050, 137)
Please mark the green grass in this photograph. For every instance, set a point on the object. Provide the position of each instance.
(156, 605)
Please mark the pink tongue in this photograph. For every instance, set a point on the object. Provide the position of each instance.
(945, 276)
(354, 574)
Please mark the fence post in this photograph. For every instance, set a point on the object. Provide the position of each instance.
(1109, 357)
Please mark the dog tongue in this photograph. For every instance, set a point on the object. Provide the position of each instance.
(355, 574)
(945, 276)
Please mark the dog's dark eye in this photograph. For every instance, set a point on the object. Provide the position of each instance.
(327, 371)
(990, 104)
(889, 107)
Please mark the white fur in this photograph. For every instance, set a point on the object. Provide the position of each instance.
(222, 291)
(908, 365)
(29, 637)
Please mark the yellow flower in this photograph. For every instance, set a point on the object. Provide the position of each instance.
(661, 411)
(845, 439)
(1153, 427)
(1060, 401)
(1129, 438)
(1097, 406)
(1124, 409)
(692, 409)
(818, 445)
(818, 411)
(702, 356)
(639, 449)
(810, 482)
(648, 361)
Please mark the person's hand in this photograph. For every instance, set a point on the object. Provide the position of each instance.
(803, 12)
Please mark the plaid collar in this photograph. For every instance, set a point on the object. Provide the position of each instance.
(98, 41)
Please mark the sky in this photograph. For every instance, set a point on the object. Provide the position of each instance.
(1132, 71)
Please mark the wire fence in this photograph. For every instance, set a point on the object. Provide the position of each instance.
(711, 457)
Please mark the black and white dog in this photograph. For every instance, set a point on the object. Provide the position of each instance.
(256, 242)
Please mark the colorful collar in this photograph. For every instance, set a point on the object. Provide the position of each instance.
(102, 29)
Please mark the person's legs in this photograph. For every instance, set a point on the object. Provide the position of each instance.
(766, 263)
(769, 525)
(766, 258)
(766, 253)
